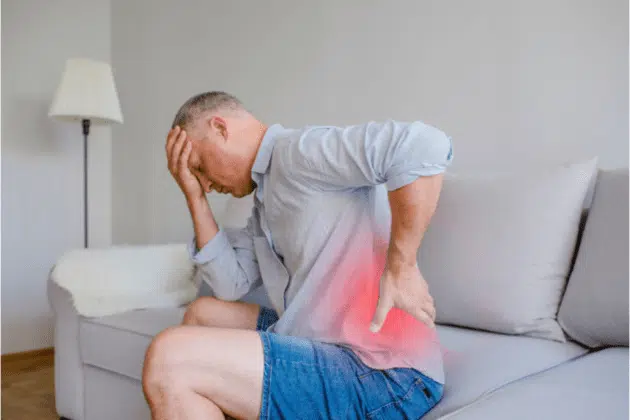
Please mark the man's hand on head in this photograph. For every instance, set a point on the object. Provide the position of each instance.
(404, 287)
(178, 149)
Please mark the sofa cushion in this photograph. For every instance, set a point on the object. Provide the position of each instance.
(119, 342)
(592, 387)
(499, 248)
(594, 310)
(477, 363)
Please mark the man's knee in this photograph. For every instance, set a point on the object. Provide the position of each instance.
(159, 371)
(199, 309)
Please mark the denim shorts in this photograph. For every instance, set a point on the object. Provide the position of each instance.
(306, 379)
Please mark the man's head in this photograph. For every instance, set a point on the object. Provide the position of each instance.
(225, 138)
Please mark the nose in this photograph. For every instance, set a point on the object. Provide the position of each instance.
(215, 187)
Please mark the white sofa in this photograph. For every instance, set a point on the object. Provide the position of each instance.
(570, 362)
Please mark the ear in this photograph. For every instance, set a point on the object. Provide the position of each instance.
(218, 126)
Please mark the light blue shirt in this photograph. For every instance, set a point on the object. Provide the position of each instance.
(318, 234)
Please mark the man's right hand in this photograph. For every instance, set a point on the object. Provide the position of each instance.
(178, 150)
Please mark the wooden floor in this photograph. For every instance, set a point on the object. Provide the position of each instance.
(28, 387)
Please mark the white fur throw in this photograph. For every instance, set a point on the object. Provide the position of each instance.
(123, 278)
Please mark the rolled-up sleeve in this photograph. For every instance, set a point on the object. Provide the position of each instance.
(227, 263)
(391, 153)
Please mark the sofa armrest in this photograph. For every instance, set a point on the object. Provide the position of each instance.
(107, 281)
(69, 382)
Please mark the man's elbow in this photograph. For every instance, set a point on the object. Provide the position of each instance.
(228, 292)
(435, 149)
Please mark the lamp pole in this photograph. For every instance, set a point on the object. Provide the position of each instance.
(86, 131)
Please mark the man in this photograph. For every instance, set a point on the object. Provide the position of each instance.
(338, 218)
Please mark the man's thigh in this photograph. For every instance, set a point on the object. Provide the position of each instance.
(310, 379)
(212, 312)
(249, 373)
(223, 365)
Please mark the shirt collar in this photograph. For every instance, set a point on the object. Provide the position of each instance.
(263, 157)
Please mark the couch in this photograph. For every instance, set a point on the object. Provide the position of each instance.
(514, 346)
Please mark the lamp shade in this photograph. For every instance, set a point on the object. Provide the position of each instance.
(86, 91)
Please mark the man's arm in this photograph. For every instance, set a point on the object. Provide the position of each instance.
(402, 285)
(409, 159)
(390, 153)
(412, 208)
(204, 224)
(237, 272)
(225, 257)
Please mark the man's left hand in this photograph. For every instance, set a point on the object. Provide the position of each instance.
(403, 287)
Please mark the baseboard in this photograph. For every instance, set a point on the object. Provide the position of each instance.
(26, 355)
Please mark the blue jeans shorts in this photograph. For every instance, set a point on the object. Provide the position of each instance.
(306, 379)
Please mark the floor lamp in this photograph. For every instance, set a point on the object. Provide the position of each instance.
(86, 93)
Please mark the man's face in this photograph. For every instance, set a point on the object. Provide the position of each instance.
(215, 159)
(198, 166)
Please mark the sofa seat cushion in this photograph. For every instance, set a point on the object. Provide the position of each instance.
(477, 363)
(118, 342)
(594, 386)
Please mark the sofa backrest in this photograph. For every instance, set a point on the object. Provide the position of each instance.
(499, 248)
(594, 309)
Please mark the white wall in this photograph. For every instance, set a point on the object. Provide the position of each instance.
(42, 160)
(515, 83)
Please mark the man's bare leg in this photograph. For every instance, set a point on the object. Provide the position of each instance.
(194, 372)
(212, 312)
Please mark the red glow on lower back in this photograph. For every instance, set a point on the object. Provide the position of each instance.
(351, 304)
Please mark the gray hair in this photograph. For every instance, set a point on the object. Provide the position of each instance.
(205, 102)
